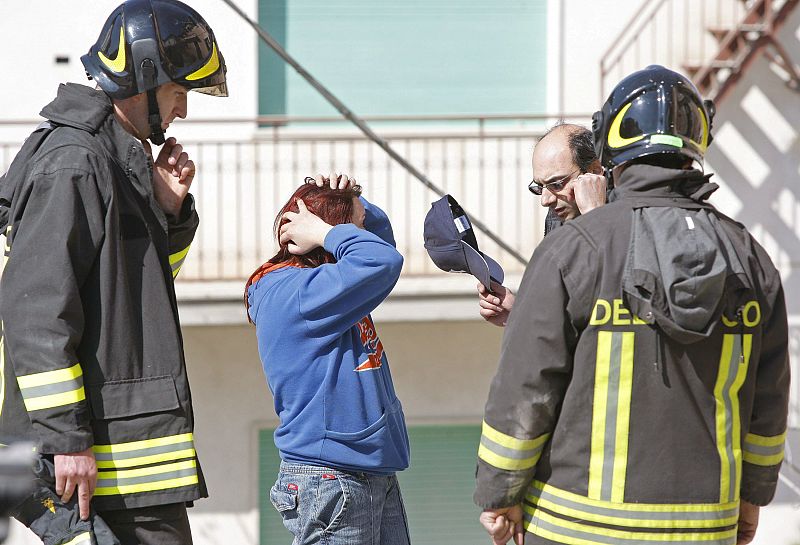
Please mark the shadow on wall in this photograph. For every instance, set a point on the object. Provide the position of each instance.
(756, 156)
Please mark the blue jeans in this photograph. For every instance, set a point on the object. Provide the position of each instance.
(332, 507)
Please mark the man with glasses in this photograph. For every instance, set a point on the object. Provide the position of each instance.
(568, 178)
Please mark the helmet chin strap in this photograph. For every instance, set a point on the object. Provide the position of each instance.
(154, 119)
(153, 115)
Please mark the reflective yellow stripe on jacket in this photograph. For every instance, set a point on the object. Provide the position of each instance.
(733, 363)
(764, 451)
(146, 479)
(155, 464)
(507, 452)
(176, 260)
(551, 513)
(84, 538)
(52, 388)
(611, 412)
(149, 451)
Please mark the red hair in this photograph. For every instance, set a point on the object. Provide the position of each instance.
(333, 206)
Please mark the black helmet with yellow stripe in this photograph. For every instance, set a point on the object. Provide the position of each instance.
(652, 111)
(147, 43)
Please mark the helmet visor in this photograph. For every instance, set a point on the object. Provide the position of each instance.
(642, 117)
(678, 115)
(190, 49)
(688, 118)
(219, 90)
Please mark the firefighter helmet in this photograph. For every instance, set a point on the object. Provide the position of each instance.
(147, 43)
(652, 111)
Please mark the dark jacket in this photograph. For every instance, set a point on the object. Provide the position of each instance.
(604, 424)
(93, 354)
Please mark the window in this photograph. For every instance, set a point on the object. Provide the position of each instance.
(415, 57)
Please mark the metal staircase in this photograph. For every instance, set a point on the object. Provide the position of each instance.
(712, 42)
(740, 46)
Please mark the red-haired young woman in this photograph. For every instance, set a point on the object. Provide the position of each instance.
(342, 434)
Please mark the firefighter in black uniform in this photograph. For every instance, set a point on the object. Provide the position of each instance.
(93, 370)
(642, 390)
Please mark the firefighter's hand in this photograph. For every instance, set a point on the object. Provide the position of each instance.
(503, 524)
(334, 181)
(748, 522)
(303, 231)
(495, 306)
(173, 173)
(590, 191)
(77, 470)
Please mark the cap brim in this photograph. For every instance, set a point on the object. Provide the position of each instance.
(482, 267)
(495, 270)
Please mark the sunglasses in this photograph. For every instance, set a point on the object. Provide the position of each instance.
(553, 187)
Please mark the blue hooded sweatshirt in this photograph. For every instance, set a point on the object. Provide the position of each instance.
(324, 362)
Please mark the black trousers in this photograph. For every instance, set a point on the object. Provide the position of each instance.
(156, 525)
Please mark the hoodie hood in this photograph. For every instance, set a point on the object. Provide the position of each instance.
(681, 272)
(79, 106)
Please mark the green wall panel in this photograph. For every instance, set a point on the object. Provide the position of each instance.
(271, 68)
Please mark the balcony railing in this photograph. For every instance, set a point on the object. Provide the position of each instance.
(241, 184)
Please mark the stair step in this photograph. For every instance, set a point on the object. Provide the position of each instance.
(754, 27)
(724, 63)
(691, 68)
(719, 32)
(711, 71)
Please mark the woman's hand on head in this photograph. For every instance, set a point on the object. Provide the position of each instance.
(334, 181)
(303, 231)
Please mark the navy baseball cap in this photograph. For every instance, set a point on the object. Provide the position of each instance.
(451, 243)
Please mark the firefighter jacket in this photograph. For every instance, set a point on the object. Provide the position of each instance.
(93, 353)
(616, 426)
(56, 522)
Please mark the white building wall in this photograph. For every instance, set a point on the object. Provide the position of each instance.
(35, 32)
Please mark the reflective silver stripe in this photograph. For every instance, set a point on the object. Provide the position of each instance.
(760, 450)
(509, 452)
(124, 481)
(50, 389)
(178, 264)
(177, 268)
(145, 452)
(736, 354)
(612, 403)
(628, 517)
(147, 479)
(106, 456)
(523, 453)
(176, 260)
(590, 535)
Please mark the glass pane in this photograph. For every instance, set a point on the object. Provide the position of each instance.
(415, 57)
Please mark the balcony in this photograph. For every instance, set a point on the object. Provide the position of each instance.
(241, 184)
